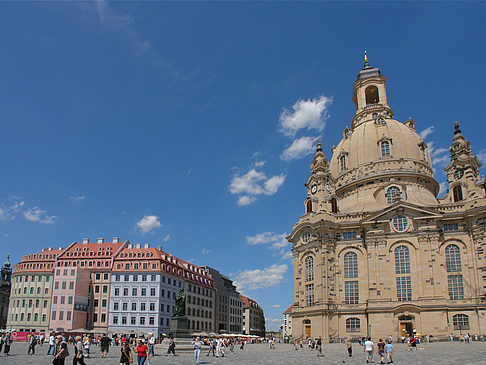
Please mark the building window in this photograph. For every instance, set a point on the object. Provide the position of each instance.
(151, 320)
(404, 288)
(334, 208)
(152, 292)
(142, 320)
(350, 265)
(342, 162)
(105, 289)
(353, 325)
(400, 223)
(306, 236)
(385, 149)
(144, 292)
(309, 268)
(117, 291)
(309, 294)
(68, 315)
(349, 235)
(456, 287)
(134, 307)
(453, 258)
(123, 320)
(134, 292)
(457, 193)
(371, 94)
(402, 260)
(351, 292)
(392, 194)
(133, 320)
(308, 206)
(460, 322)
(448, 227)
(115, 320)
(115, 306)
(125, 292)
(124, 307)
(117, 278)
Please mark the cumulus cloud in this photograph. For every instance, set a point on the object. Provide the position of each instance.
(305, 114)
(148, 223)
(254, 183)
(166, 238)
(275, 241)
(260, 278)
(77, 198)
(439, 156)
(273, 324)
(482, 156)
(443, 187)
(299, 148)
(259, 163)
(38, 215)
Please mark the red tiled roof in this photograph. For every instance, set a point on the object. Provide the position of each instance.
(289, 309)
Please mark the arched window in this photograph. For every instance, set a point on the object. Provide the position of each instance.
(334, 208)
(392, 194)
(309, 268)
(353, 325)
(372, 96)
(457, 193)
(350, 265)
(453, 258)
(402, 260)
(308, 207)
(342, 162)
(460, 322)
(385, 148)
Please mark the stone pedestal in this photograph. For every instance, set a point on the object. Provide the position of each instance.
(179, 330)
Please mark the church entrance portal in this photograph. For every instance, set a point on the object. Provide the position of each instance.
(406, 326)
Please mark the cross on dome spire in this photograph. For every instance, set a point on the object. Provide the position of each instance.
(366, 64)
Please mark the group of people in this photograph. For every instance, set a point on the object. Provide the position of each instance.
(383, 349)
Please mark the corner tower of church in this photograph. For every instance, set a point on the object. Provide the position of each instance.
(376, 252)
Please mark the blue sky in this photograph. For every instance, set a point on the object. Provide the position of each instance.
(170, 123)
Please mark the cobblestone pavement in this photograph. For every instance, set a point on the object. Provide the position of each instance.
(435, 353)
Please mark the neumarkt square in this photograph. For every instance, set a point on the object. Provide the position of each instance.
(443, 353)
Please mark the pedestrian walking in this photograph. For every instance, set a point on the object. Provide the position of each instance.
(171, 348)
(32, 344)
(349, 347)
(52, 344)
(451, 337)
(197, 349)
(389, 352)
(78, 351)
(105, 343)
(381, 350)
(87, 346)
(319, 347)
(368, 349)
(2, 340)
(7, 344)
(60, 352)
(152, 345)
(242, 346)
(126, 354)
(212, 347)
(142, 352)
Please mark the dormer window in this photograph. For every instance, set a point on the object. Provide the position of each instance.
(385, 149)
(372, 96)
(342, 162)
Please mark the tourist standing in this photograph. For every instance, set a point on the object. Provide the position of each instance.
(197, 349)
(368, 349)
(126, 354)
(349, 347)
(451, 337)
(87, 345)
(381, 350)
(2, 340)
(105, 343)
(60, 352)
(389, 352)
(142, 352)
(212, 347)
(152, 345)
(78, 351)
(32, 344)
(319, 347)
(7, 344)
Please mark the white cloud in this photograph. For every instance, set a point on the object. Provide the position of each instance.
(258, 279)
(273, 324)
(482, 156)
(286, 254)
(166, 238)
(148, 223)
(299, 148)
(245, 200)
(305, 114)
(275, 241)
(259, 163)
(206, 251)
(275, 306)
(9, 212)
(254, 183)
(427, 131)
(443, 187)
(77, 198)
(38, 215)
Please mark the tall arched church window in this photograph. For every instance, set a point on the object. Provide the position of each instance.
(351, 265)
(402, 266)
(455, 283)
(457, 193)
(342, 162)
(334, 208)
(308, 206)
(385, 148)
(309, 268)
(372, 96)
(392, 194)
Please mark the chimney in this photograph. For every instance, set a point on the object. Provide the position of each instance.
(147, 245)
(59, 248)
(49, 248)
(101, 240)
(137, 245)
(85, 241)
(116, 239)
(159, 247)
(130, 245)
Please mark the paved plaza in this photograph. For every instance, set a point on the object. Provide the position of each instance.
(435, 353)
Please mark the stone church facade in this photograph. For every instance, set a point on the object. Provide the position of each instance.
(376, 252)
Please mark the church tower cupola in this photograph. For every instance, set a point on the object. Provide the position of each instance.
(369, 95)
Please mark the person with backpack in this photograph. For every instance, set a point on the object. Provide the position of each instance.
(78, 351)
(60, 352)
(381, 350)
(32, 343)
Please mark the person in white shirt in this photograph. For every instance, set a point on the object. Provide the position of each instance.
(52, 344)
(152, 345)
(368, 349)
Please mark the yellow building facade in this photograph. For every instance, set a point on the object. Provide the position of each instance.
(376, 252)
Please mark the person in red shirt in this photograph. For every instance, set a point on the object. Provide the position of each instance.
(142, 352)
